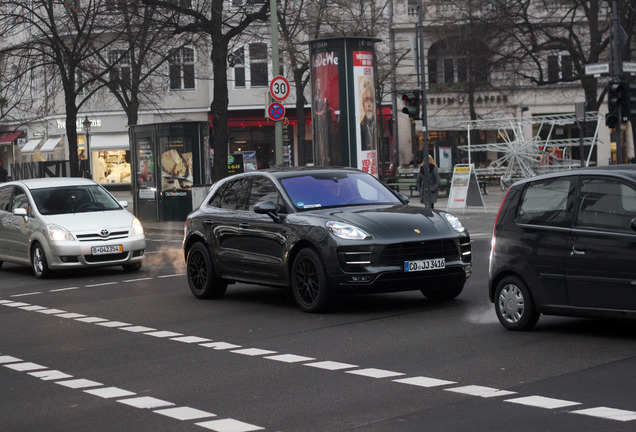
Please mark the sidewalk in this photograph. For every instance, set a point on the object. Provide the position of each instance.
(476, 219)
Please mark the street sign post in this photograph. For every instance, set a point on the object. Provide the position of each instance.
(279, 88)
(276, 111)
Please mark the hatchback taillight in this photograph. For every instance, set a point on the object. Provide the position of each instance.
(494, 229)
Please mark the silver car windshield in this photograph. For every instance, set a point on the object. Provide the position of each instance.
(329, 190)
(73, 199)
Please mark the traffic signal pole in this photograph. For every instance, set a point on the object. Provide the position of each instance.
(617, 64)
(425, 193)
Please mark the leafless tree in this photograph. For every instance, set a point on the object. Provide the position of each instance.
(221, 22)
(56, 39)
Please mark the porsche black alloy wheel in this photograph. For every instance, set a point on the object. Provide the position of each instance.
(203, 281)
(309, 282)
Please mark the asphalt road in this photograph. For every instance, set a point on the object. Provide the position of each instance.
(107, 350)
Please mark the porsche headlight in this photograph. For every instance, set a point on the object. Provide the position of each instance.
(137, 229)
(346, 231)
(58, 233)
(455, 223)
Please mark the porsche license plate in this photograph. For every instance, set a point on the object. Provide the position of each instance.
(105, 250)
(423, 265)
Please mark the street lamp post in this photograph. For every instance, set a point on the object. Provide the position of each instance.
(87, 128)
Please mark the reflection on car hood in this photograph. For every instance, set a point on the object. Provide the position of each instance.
(395, 222)
(89, 221)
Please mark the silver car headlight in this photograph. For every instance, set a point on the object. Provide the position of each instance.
(346, 231)
(455, 223)
(137, 228)
(58, 233)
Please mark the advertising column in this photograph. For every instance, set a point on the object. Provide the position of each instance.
(344, 110)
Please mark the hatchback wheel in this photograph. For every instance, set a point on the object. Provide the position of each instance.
(38, 262)
(309, 282)
(514, 306)
(202, 279)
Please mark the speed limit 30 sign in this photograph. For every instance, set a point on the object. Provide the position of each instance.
(279, 88)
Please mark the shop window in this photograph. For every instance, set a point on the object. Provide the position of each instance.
(181, 68)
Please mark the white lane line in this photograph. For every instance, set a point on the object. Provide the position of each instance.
(220, 345)
(542, 402)
(374, 373)
(170, 275)
(184, 413)
(4, 302)
(64, 289)
(113, 324)
(51, 311)
(48, 375)
(26, 294)
(137, 280)
(163, 334)
(94, 388)
(16, 304)
(79, 383)
(331, 365)
(191, 339)
(24, 367)
(146, 402)
(32, 308)
(91, 320)
(138, 329)
(70, 315)
(421, 381)
(229, 425)
(290, 358)
(100, 284)
(481, 391)
(109, 392)
(608, 413)
(253, 352)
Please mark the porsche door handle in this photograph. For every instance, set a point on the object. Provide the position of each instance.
(577, 249)
(244, 225)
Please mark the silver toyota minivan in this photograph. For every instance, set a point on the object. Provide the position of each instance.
(62, 223)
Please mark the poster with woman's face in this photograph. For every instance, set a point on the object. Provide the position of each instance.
(367, 131)
(326, 108)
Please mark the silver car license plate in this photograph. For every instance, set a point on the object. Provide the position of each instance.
(423, 265)
(105, 250)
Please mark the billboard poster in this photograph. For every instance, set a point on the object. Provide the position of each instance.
(326, 108)
(365, 111)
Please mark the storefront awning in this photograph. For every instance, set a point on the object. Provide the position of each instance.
(7, 138)
(50, 144)
(109, 142)
(30, 145)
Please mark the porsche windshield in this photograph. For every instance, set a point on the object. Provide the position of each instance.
(331, 190)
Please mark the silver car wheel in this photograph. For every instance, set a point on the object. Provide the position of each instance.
(511, 303)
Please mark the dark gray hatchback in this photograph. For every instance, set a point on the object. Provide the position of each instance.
(565, 244)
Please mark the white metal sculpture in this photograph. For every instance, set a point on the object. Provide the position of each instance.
(523, 157)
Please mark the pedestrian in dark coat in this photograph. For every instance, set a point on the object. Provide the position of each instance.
(434, 180)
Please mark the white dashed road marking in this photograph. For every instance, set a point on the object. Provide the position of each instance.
(123, 396)
(231, 425)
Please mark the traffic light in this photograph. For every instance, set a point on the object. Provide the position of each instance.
(412, 104)
(628, 102)
(615, 95)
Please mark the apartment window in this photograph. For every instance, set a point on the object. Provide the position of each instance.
(115, 5)
(250, 65)
(258, 64)
(34, 83)
(559, 68)
(120, 72)
(237, 61)
(448, 65)
(181, 68)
